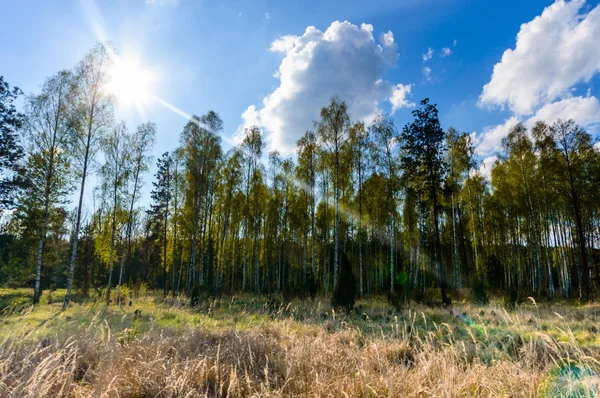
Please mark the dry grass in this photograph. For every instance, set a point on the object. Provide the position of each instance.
(243, 347)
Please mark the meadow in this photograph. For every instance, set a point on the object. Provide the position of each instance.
(253, 346)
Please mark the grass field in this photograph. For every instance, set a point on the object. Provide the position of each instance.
(244, 345)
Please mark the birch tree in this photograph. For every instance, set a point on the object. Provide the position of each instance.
(95, 107)
(49, 128)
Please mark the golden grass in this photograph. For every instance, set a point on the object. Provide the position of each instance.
(244, 346)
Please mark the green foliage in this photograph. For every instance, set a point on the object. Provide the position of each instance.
(195, 296)
(10, 148)
(125, 293)
(397, 299)
(478, 291)
(418, 296)
(311, 284)
(512, 298)
(140, 289)
(200, 294)
(344, 294)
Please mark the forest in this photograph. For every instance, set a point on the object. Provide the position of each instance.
(402, 210)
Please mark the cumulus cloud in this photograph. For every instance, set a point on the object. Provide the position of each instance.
(428, 55)
(446, 51)
(554, 51)
(584, 110)
(283, 44)
(345, 60)
(398, 98)
(491, 139)
(454, 44)
(387, 39)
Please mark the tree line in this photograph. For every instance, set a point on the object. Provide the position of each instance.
(408, 209)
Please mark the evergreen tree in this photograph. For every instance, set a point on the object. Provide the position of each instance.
(159, 209)
(423, 150)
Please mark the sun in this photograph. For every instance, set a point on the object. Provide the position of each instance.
(130, 83)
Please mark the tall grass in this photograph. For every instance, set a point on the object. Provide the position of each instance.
(309, 350)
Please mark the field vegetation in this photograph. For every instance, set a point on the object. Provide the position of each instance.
(256, 346)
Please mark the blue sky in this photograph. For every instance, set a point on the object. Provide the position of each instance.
(228, 56)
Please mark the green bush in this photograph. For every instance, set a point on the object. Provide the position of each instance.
(418, 296)
(345, 291)
(200, 294)
(397, 299)
(511, 298)
(478, 293)
(125, 293)
(311, 285)
(195, 296)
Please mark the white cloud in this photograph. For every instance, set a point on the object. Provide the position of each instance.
(485, 168)
(283, 44)
(387, 39)
(554, 51)
(345, 60)
(427, 56)
(454, 44)
(398, 98)
(250, 117)
(426, 71)
(585, 111)
(445, 52)
(490, 140)
(267, 16)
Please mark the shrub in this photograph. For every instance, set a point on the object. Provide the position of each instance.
(478, 293)
(125, 294)
(140, 289)
(200, 294)
(511, 298)
(195, 296)
(311, 285)
(418, 296)
(398, 298)
(345, 291)
(432, 297)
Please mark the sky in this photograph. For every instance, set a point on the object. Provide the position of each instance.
(486, 64)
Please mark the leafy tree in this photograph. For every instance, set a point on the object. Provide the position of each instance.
(139, 144)
(344, 293)
(95, 108)
(361, 150)
(461, 152)
(11, 151)
(307, 169)
(252, 146)
(332, 130)
(114, 174)
(49, 131)
(575, 151)
(385, 139)
(202, 150)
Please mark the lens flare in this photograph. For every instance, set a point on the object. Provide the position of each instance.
(130, 83)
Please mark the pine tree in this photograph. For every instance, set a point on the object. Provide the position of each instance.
(423, 161)
(159, 209)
